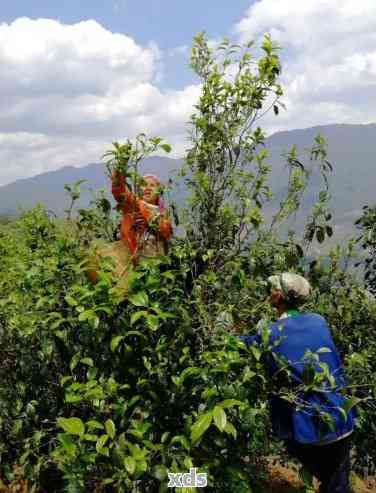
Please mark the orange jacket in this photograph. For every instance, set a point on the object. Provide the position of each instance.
(130, 232)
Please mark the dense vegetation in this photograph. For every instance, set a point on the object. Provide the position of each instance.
(102, 393)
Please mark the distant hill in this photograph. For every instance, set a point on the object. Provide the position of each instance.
(48, 188)
(352, 151)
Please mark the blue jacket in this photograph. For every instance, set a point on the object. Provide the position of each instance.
(290, 338)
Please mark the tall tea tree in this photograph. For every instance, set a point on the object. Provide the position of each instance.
(367, 239)
(226, 164)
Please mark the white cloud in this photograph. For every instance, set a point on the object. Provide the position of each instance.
(68, 91)
(329, 58)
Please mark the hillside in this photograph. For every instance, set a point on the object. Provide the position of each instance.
(351, 151)
(48, 188)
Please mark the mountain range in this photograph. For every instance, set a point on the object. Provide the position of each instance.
(351, 150)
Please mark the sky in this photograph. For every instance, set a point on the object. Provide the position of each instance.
(76, 76)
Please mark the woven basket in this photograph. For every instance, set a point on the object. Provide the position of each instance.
(120, 256)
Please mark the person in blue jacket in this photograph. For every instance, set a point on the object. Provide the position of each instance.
(310, 416)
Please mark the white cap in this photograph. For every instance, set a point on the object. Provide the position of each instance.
(293, 286)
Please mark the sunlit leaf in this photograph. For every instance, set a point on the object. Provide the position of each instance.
(110, 428)
(73, 426)
(220, 418)
(200, 426)
(139, 299)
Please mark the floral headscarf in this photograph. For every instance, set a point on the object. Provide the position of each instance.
(161, 203)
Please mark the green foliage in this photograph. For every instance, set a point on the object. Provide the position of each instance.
(367, 239)
(351, 312)
(124, 159)
(227, 163)
(318, 223)
(149, 401)
(102, 393)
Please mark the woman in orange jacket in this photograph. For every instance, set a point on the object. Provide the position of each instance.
(145, 228)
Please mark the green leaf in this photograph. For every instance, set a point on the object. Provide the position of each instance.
(329, 420)
(166, 147)
(141, 467)
(139, 299)
(93, 425)
(350, 403)
(308, 375)
(189, 372)
(324, 350)
(152, 321)
(90, 437)
(136, 452)
(176, 380)
(65, 379)
(135, 333)
(220, 418)
(17, 426)
(188, 463)
(200, 426)
(164, 437)
(320, 235)
(87, 361)
(69, 398)
(182, 440)
(343, 414)
(73, 426)
(115, 341)
(110, 428)
(93, 321)
(159, 472)
(130, 464)
(230, 429)
(229, 403)
(256, 353)
(248, 374)
(306, 477)
(137, 315)
(71, 301)
(74, 361)
(101, 442)
(133, 401)
(86, 315)
(329, 231)
(67, 442)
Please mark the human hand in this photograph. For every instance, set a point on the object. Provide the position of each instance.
(139, 220)
(236, 329)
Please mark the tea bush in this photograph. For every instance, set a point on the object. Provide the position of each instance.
(98, 391)
(104, 393)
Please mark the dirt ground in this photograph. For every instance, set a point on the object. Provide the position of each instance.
(286, 480)
(282, 480)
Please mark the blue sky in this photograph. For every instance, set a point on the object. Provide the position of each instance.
(169, 23)
(76, 75)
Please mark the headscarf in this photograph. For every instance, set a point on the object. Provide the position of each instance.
(295, 288)
(160, 202)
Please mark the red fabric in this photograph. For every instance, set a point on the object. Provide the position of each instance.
(129, 204)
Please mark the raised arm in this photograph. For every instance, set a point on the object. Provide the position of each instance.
(120, 191)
